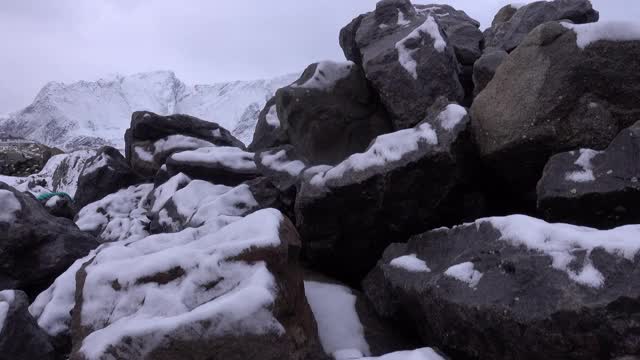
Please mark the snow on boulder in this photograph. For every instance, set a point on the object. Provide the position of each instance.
(269, 132)
(348, 326)
(282, 165)
(587, 34)
(348, 213)
(35, 246)
(105, 173)
(118, 216)
(513, 23)
(60, 206)
(418, 354)
(519, 124)
(409, 55)
(330, 112)
(516, 287)
(224, 165)
(20, 336)
(151, 138)
(594, 188)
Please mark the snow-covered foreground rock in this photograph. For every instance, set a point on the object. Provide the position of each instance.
(516, 287)
(92, 114)
(225, 286)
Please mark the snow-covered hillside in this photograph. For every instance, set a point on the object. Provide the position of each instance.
(90, 114)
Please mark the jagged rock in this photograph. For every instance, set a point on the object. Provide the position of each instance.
(20, 336)
(347, 322)
(515, 288)
(269, 132)
(485, 68)
(105, 173)
(20, 157)
(35, 246)
(347, 214)
(330, 112)
(565, 87)
(594, 188)
(406, 56)
(225, 165)
(152, 138)
(510, 28)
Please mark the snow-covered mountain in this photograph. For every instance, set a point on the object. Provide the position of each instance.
(90, 114)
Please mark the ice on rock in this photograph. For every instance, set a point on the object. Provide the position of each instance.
(410, 263)
(385, 148)
(117, 216)
(451, 116)
(228, 156)
(405, 54)
(334, 308)
(584, 161)
(589, 33)
(327, 74)
(278, 161)
(465, 272)
(9, 205)
(562, 241)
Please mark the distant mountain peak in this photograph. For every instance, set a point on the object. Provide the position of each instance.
(94, 113)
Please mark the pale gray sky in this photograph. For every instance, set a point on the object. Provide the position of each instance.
(203, 41)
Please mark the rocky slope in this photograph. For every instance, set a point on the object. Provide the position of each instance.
(89, 114)
(354, 226)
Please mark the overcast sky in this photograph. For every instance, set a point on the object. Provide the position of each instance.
(203, 41)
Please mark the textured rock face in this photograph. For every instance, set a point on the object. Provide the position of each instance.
(407, 57)
(103, 174)
(330, 112)
(594, 188)
(35, 246)
(515, 288)
(19, 157)
(510, 28)
(485, 68)
(152, 138)
(347, 214)
(20, 336)
(559, 90)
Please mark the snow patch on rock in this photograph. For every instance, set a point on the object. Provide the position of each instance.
(451, 116)
(279, 162)
(334, 308)
(410, 263)
(6, 299)
(465, 272)
(419, 354)
(327, 74)
(584, 161)
(228, 156)
(589, 33)
(384, 149)
(562, 241)
(405, 54)
(272, 117)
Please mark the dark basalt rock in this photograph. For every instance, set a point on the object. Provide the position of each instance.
(592, 188)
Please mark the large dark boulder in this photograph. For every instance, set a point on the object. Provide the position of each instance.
(408, 57)
(347, 214)
(225, 165)
(103, 174)
(486, 66)
(152, 138)
(594, 188)
(555, 92)
(515, 288)
(330, 112)
(20, 336)
(20, 157)
(511, 25)
(269, 132)
(35, 247)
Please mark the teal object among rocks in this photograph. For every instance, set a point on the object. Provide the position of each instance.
(47, 196)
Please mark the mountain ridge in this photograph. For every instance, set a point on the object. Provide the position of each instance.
(89, 114)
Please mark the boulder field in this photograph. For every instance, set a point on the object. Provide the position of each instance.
(442, 193)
